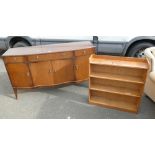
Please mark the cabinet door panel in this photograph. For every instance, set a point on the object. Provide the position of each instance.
(41, 73)
(19, 75)
(63, 71)
(82, 68)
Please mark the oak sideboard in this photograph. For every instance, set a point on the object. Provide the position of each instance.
(48, 65)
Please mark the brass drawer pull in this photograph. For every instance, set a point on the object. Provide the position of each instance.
(50, 71)
(76, 67)
(28, 74)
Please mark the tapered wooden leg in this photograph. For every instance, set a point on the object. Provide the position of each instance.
(15, 91)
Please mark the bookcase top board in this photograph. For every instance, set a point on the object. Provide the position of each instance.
(119, 61)
(52, 48)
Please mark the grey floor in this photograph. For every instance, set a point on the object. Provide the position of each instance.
(67, 102)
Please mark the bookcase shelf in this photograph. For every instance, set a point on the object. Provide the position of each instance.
(117, 77)
(110, 103)
(115, 90)
(117, 82)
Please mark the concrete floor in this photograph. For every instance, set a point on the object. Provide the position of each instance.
(68, 102)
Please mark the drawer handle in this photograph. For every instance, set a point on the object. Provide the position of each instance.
(49, 71)
(37, 57)
(84, 52)
(76, 67)
(28, 74)
(14, 58)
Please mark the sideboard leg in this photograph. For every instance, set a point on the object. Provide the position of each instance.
(15, 91)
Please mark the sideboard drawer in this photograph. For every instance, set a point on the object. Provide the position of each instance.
(14, 59)
(61, 55)
(84, 52)
(39, 57)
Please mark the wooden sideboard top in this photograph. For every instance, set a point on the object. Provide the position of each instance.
(42, 49)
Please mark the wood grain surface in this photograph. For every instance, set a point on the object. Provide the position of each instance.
(117, 82)
(49, 65)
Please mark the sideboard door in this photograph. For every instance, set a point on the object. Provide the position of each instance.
(19, 75)
(82, 68)
(42, 73)
(63, 71)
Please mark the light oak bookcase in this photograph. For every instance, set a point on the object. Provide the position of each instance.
(117, 82)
